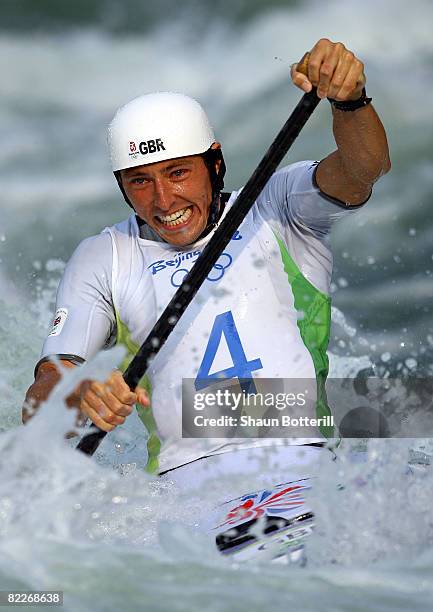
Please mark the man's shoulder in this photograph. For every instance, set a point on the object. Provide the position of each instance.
(95, 243)
(91, 260)
(297, 169)
(93, 250)
(102, 242)
(283, 182)
(289, 180)
(127, 227)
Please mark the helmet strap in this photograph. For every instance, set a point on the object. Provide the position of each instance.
(210, 158)
(119, 182)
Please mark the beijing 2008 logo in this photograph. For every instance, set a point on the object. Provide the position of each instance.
(132, 147)
(214, 275)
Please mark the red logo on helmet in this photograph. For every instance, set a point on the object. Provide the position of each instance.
(132, 147)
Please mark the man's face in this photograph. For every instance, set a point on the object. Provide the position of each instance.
(172, 196)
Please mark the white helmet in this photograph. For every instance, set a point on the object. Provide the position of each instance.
(156, 127)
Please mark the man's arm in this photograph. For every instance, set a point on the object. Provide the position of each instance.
(82, 329)
(362, 156)
(105, 404)
(46, 379)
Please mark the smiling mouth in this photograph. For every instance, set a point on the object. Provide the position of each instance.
(177, 218)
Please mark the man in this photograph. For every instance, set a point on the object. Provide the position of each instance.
(269, 295)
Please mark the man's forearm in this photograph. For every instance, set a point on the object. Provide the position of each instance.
(47, 377)
(362, 144)
(362, 157)
(362, 154)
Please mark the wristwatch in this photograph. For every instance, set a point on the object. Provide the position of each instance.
(351, 105)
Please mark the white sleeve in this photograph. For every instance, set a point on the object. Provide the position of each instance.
(302, 217)
(292, 197)
(84, 321)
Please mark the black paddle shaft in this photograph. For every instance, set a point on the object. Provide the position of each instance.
(204, 264)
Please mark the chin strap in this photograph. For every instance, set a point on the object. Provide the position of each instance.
(119, 182)
(216, 215)
(211, 157)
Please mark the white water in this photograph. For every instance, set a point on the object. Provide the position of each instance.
(59, 93)
(117, 539)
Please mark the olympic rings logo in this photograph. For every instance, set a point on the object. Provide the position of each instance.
(214, 275)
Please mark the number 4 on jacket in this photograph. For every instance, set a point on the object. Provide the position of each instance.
(241, 369)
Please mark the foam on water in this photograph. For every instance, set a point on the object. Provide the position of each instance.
(119, 539)
(55, 175)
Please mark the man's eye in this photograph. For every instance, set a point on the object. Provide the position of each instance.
(139, 181)
(179, 173)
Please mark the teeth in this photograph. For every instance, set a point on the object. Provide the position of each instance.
(180, 216)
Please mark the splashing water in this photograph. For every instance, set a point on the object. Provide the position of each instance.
(118, 539)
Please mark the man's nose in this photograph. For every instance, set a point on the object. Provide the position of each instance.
(163, 195)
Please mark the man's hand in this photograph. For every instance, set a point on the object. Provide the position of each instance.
(108, 404)
(334, 70)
